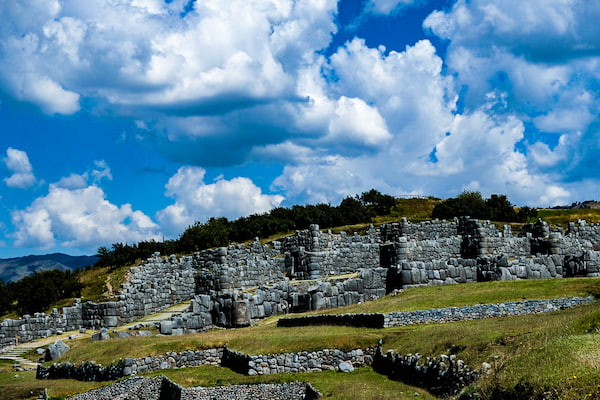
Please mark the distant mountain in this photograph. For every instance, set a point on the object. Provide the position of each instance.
(13, 269)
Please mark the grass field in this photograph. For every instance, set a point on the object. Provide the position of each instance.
(557, 352)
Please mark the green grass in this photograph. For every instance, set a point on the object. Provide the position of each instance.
(362, 384)
(415, 210)
(428, 297)
(558, 351)
(563, 217)
(23, 385)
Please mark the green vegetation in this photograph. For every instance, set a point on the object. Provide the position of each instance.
(554, 352)
(38, 291)
(564, 216)
(495, 208)
(218, 232)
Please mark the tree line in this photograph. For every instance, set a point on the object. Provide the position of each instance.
(37, 292)
(472, 204)
(217, 232)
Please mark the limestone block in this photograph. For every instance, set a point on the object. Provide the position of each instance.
(166, 327)
(111, 321)
(406, 277)
(241, 313)
(55, 350)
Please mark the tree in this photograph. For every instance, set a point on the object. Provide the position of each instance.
(352, 211)
(465, 204)
(378, 203)
(215, 233)
(37, 292)
(500, 209)
(6, 298)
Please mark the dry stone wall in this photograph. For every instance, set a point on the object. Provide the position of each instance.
(303, 361)
(438, 315)
(160, 387)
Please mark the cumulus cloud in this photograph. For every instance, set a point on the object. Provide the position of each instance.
(216, 83)
(165, 55)
(541, 55)
(198, 201)
(18, 164)
(78, 215)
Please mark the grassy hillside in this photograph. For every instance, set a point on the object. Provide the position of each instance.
(556, 352)
(563, 217)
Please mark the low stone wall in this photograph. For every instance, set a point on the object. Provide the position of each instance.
(135, 388)
(91, 371)
(443, 376)
(160, 387)
(304, 361)
(481, 311)
(374, 320)
(190, 358)
(439, 315)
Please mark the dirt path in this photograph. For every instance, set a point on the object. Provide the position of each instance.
(17, 352)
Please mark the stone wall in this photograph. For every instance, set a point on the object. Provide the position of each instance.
(583, 231)
(313, 254)
(428, 253)
(238, 309)
(443, 377)
(308, 361)
(407, 274)
(160, 387)
(239, 266)
(427, 230)
(481, 311)
(303, 361)
(438, 315)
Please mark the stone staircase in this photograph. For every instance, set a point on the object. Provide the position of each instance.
(15, 353)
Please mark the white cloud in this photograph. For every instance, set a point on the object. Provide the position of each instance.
(73, 181)
(158, 54)
(355, 122)
(18, 163)
(102, 171)
(386, 7)
(74, 214)
(543, 56)
(198, 201)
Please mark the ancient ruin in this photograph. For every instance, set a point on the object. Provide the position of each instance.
(311, 270)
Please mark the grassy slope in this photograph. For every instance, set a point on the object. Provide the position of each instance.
(545, 351)
(555, 217)
(558, 350)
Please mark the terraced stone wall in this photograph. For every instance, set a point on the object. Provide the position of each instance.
(237, 309)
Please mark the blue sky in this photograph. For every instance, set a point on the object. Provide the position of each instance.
(129, 120)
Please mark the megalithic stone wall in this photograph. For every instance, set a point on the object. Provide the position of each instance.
(434, 252)
(238, 309)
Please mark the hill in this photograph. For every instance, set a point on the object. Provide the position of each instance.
(13, 269)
